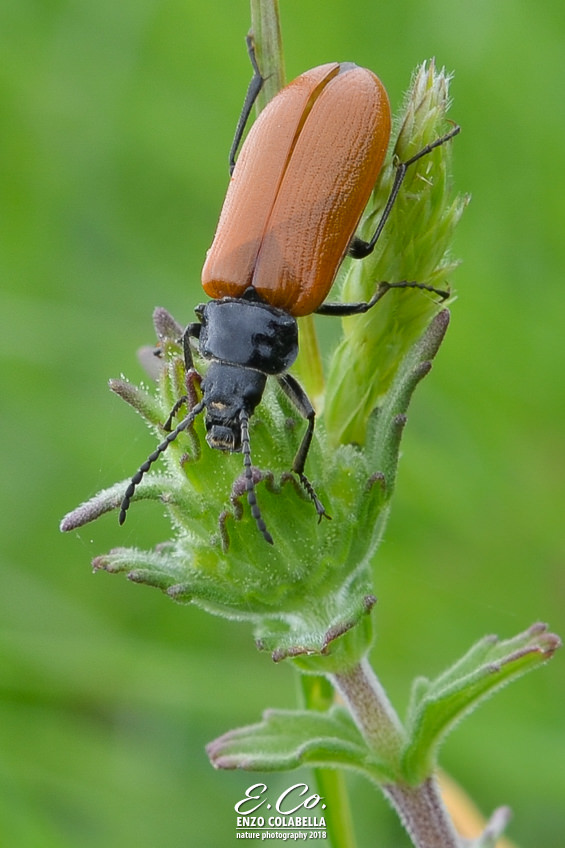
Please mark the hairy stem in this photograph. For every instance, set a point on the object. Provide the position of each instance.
(423, 814)
(372, 711)
(420, 808)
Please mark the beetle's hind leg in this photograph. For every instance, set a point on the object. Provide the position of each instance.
(359, 249)
(300, 399)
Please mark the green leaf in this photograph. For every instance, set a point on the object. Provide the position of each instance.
(437, 705)
(387, 423)
(287, 739)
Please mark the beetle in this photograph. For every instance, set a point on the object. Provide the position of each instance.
(297, 192)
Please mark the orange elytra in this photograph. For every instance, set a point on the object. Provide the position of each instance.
(300, 185)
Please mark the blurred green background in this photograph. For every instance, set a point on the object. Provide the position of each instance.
(116, 120)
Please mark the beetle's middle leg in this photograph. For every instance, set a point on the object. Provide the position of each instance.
(300, 399)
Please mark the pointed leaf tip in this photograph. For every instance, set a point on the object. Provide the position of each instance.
(104, 501)
(437, 705)
(166, 327)
(435, 334)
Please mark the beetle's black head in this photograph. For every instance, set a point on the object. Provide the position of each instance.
(228, 391)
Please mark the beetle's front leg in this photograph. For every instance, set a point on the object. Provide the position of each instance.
(192, 377)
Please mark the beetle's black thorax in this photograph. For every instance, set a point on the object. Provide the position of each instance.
(246, 341)
(249, 333)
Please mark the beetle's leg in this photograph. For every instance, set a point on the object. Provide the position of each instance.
(143, 469)
(192, 375)
(249, 484)
(251, 96)
(191, 332)
(343, 309)
(169, 422)
(359, 248)
(300, 399)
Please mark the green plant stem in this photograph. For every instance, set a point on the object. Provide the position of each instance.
(331, 786)
(420, 808)
(266, 30)
(308, 367)
(423, 814)
(318, 694)
(374, 714)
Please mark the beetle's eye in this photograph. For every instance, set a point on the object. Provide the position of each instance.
(252, 394)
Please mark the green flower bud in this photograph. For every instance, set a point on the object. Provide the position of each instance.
(414, 246)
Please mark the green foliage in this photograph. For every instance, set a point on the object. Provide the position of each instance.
(314, 585)
(288, 739)
(330, 738)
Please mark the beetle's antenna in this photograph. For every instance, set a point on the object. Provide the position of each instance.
(143, 469)
(249, 484)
